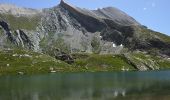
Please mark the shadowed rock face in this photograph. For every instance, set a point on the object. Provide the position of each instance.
(4, 25)
(23, 40)
(89, 22)
(96, 20)
(19, 39)
(106, 30)
(108, 25)
(79, 26)
(7, 30)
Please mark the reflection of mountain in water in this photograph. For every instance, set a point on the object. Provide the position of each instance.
(87, 86)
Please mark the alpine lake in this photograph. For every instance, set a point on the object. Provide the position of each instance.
(151, 85)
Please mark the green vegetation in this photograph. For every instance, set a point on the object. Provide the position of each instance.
(21, 22)
(146, 34)
(149, 34)
(150, 60)
(95, 62)
(163, 36)
(164, 63)
(27, 62)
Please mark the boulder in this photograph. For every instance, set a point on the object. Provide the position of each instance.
(63, 56)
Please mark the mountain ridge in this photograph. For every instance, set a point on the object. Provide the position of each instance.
(109, 23)
(66, 29)
(17, 11)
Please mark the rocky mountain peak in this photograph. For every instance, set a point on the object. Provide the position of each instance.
(106, 30)
(110, 13)
(62, 1)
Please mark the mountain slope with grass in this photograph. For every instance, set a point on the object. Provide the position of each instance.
(109, 38)
(23, 62)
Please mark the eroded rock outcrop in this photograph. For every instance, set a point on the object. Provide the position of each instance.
(63, 56)
(16, 38)
(23, 40)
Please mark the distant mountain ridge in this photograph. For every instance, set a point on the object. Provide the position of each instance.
(15, 10)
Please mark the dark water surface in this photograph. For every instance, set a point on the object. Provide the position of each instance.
(154, 85)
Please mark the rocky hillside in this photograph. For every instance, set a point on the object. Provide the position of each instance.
(75, 30)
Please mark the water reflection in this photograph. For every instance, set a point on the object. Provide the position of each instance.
(87, 86)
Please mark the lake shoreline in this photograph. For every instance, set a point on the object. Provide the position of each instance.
(20, 62)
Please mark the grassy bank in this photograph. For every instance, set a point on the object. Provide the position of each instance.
(94, 62)
(26, 62)
(13, 62)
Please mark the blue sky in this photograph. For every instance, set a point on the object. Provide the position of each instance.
(152, 13)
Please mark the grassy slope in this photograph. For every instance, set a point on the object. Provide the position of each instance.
(162, 63)
(28, 23)
(16, 61)
(145, 33)
(94, 62)
(26, 62)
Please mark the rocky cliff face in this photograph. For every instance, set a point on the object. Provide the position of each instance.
(16, 39)
(73, 29)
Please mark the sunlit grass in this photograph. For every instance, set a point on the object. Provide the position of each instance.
(28, 62)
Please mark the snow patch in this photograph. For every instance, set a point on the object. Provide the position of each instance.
(114, 45)
(121, 45)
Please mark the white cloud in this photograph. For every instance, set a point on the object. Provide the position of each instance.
(144, 8)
